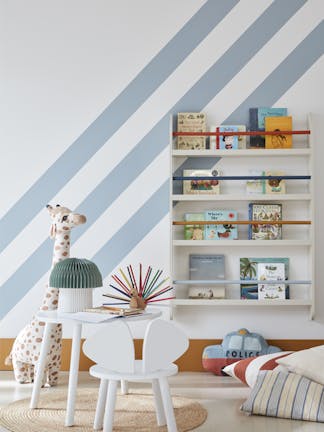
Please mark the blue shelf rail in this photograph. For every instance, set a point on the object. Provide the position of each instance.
(283, 177)
(240, 281)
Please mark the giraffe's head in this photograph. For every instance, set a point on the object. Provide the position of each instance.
(63, 219)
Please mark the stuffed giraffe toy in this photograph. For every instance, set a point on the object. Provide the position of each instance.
(26, 348)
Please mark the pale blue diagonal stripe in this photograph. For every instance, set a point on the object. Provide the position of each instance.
(25, 271)
(285, 75)
(95, 136)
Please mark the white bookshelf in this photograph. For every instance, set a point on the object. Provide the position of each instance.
(297, 243)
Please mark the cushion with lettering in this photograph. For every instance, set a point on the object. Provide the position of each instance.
(236, 345)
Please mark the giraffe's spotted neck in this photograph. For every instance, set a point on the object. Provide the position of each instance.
(61, 249)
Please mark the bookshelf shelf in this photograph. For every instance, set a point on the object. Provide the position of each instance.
(245, 153)
(241, 303)
(236, 167)
(240, 243)
(240, 197)
(235, 282)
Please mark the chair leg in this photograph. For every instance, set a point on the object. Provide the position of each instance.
(110, 406)
(124, 387)
(100, 410)
(168, 407)
(160, 416)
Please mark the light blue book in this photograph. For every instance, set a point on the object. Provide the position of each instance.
(223, 231)
(269, 112)
(228, 142)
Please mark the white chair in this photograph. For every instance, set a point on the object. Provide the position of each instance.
(112, 348)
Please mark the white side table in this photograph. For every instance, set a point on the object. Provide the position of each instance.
(53, 317)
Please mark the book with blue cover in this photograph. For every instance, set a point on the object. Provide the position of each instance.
(249, 270)
(228, 142)
(223, 231)
(257, 122)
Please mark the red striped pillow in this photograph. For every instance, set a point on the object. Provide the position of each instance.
(247, 370)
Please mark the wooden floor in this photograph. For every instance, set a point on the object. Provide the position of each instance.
(221, 396)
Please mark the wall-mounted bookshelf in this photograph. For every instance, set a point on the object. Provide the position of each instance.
(297, 242)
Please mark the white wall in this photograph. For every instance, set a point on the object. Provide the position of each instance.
(64, 63)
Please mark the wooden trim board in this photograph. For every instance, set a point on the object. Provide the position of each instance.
(190, 361)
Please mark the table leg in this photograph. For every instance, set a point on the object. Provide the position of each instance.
(73, 375)
(38, 379)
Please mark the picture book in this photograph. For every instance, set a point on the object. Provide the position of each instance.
(255, 187)
(265, 212)
(249, 272)
(194, 232)
(206, 267)
(211, 186)
(256, 123)
(224, 231)
(215, 142)
(227, 142)
(278, 124)
(271, 272)
(275, 186)
(191, 122)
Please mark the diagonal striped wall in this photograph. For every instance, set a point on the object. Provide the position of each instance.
(112, 162)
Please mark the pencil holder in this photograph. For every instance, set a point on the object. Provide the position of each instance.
(76, 278)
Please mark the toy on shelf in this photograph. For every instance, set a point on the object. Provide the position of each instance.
(137, 294)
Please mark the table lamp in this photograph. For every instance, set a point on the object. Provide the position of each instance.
(75, 278)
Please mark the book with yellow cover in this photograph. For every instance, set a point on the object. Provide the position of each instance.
(278, 124)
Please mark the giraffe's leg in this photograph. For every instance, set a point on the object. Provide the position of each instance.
(53, 373)
(21, 371)
(44, 378)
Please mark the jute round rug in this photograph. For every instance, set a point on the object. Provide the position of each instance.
(134, 412)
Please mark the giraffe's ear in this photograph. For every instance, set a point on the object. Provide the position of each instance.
(53, 231)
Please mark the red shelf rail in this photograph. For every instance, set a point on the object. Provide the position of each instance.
(247, 133)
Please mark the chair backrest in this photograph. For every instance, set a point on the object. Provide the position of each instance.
(164, 342)
(112, 347)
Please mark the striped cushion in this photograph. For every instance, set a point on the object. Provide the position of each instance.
(286, 395)
(247, 370)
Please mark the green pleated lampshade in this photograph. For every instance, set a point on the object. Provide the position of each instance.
(75, 273)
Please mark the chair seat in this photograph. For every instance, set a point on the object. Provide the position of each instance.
(138, 375)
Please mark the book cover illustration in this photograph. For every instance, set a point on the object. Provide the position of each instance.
(249, 271)
(211, 186)
(278, 124)
(275, 186)
(241, 139)
(194, 232)
(206, 267)
(265, 212)
(191, 122)
(274, 272)
(256, 122)
(222, 231)
(228, 142)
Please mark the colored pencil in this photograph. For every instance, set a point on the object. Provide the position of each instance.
(162, 299)
(119, 290)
